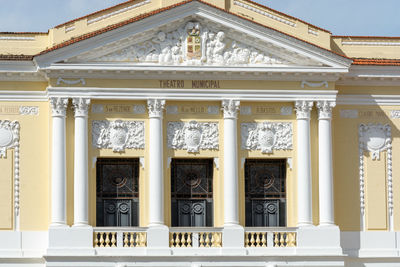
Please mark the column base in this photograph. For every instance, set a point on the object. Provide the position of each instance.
(319, 240)
(233, 236)
(158, 236)
(70, 240)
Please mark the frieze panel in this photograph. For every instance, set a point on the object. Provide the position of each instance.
(118, 135)
(193, 136)
(267, 136)
(193, 44)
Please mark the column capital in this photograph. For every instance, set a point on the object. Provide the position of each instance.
(230, 108)
(325, 109)
(303, 109)
(58, 106)
(155, 107)
(81, 106)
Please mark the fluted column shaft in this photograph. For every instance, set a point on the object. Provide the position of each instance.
(81, 183)
(326, 207)
(58, 163)
(156, 178)
(231, 183)
(304, 182)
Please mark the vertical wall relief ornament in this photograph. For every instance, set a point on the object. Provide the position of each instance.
(193, 136)
(118, 135)
(375, 138)
(267, 136)
(9, 139)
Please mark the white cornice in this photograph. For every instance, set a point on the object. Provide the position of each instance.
(382, 100)
(192, 94)
(12, 65)
(366, 43)
(371, 76)
(13, 96)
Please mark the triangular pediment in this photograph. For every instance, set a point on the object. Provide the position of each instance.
(196, 35)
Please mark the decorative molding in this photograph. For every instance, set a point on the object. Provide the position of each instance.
(193, 45)
(155, 108)
(269, 15)
(289, 162)
(193, 136)
(29, 110)
(371, 43)
(395, 114)
(303, 109)
(230, 108)
(9, 138)
(213, 110)
(349, 113)
(90, 21)
(325, 109)
(58, 106)
(314, 84)
(118, 135)
(71, 82)
(139, 109)
(313, 31)
(267, 136)
(17, 38)
(216, 163)
(245, 110)
(142, 162)
(375, 138)
(172, 109)
(97, 108)
(81, 106)
(169, 160)
(286, 110)
(242, 162)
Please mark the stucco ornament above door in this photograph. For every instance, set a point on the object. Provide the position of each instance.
(192, 44)
(267, 136)
(193, 136)
(375, 138)
(118, 135)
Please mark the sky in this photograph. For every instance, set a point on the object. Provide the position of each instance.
(341, 17)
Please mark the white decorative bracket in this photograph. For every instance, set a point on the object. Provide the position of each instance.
(375, 138)
(314, 84)
(141, 161)
(242, 162)
(216, 163)
(290, 163)
(71, 82)
(169, 160)
(9, 139)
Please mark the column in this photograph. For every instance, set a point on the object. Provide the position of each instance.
(58, 168)
(231, 183)
(304, 183)
(81, 184)
(326, 214)
(156, 177)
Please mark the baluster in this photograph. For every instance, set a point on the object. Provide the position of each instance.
(113, 240)
(171, 241)
(212, 240)
(216, 240)
(252, 240)
(96, 239)
(287, 239)
(132, 239)
(101, 239)
(276, 240)
(177, 240)
(137, 239)
(107, 240)
(246, 236)
(126, 240)
(207, 241)
(263, 240)
(143, 239)
(189, 240)
(201, 240)
(282, 240)
(183, 240)
(258, 240)
(292, 240)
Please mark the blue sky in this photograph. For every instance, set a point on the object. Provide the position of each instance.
(341, 17)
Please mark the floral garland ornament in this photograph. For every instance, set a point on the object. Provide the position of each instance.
(9, 139)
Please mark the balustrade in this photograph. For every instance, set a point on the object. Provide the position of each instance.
(181, 238)
(113, 239)
(271, 238)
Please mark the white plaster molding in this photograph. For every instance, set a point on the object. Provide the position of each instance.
(214, 110)
(70, 29)
(70, 82)
(325, 109)
(349, 113)
(142, 162)
(216, 163)
(169, 160)
(97, 108)
(264, 13)
(139, 109)
(313, 31)
(155, 108)
(289, 162)
(29, 110)
(267, 136)
(370, 100)
(90, 21)
(364, 43)
(118, 135)
(375, 138)
(286, 110)
(395, 114)
(314, 84)
(193, 136)
(230, 108)
(172, 109)
(58, 106)
(9, 139)
(81, 106)
(303, 109)
(242, 162)
(245, 110)
(17, 38)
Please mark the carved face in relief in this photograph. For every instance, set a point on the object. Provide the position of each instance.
(193, 136)
(118, 136)
(266, 139)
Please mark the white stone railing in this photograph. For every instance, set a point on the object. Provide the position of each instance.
(270, 237)
(195, 237)
(119, 237)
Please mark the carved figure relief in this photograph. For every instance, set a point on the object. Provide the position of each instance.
(193, 44)
(193, 136)
(267, 136)
(118, 135)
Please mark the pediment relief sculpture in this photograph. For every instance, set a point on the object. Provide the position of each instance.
(193, 136)
(192, 44)
(267, 136)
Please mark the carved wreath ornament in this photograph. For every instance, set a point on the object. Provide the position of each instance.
(118, 135)
(267, 136)
(375, 138)
(193, 136)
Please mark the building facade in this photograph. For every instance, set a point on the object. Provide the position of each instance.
(198, 133)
